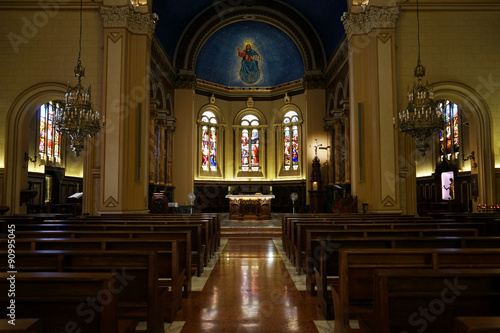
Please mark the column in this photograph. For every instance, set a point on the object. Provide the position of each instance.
(347, 139)
(184, 153)
(372, 83)
(337, 122)
(126, 74)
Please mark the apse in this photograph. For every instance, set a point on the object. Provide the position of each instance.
(249, 54)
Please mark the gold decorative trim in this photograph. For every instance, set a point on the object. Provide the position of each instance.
(123, 17)
(372, 18)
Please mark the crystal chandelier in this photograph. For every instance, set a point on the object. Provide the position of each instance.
(74, 116)
(422, 117)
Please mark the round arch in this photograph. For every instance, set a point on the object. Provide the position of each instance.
(278, 14)
(284, 109)
(481, 138)
(246, 111)
(213, 108)
(18, 117)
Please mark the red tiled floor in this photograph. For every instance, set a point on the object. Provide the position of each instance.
(249, 290)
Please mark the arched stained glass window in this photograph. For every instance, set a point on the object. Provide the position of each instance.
(208, 141)
(291, 141)
(250, 143)
(449, 139)
(49, 143)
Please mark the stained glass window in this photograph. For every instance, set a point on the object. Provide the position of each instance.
(49, 143)
(250, 143)
(291, 141)
(449, 139)
(208, 141)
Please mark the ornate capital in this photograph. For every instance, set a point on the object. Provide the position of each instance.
(313, 81)
(372, 18)
(123, 17)
(185, 81)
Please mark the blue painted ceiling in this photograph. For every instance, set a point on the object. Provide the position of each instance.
(280, 60)
(175, 16)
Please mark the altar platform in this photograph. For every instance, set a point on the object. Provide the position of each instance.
(266, 229)
(250, 206)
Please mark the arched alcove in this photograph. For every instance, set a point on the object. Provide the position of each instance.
(18, 117)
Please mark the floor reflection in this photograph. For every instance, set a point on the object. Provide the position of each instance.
(249, 290)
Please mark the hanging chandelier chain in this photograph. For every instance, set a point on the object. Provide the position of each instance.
(74, 116)
(423, 116)
(418, 33)
(81, 24)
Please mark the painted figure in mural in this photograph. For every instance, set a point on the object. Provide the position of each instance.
(249, 71)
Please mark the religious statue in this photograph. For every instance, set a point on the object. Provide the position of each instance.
(249, 71)
(451, 189)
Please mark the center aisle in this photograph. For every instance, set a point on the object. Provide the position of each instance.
(249, 290)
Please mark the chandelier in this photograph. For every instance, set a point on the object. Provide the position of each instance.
(422, 117)
(74, 116)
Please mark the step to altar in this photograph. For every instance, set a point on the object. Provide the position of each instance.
(250, 232)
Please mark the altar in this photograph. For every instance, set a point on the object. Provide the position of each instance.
(250, 206)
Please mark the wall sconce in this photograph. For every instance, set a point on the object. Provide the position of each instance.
(472, 157)
(28, 158)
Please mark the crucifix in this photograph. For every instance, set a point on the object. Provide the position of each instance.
(316, 145)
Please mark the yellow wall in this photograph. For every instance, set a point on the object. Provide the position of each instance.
(457, 46)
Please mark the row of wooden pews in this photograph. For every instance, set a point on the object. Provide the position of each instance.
(340, 255)
(140, 266)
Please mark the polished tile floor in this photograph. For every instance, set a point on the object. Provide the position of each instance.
(249, 289)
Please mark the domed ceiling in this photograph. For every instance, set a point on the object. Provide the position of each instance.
(175, 16)
(272, 59)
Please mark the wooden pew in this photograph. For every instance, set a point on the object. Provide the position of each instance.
(291, 230)
(208, 226)
(290, 235)
(140, 295)
(353, 292)
(61, 301)
(23, 325)
(326, 262)
(430, 299)
(314, 234)
(468, 324)
(172, 266)
(128, 232)
(301, 244)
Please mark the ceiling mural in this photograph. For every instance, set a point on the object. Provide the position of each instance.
(175, 16)
(249, 54)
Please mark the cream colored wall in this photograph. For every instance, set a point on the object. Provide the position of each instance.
(458, 46)
(461, 54)
(40, 46)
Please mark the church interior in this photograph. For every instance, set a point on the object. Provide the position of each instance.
(256, 148)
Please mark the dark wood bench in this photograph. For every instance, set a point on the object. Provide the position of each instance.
(291, 233)
(209, 235)
(171, 268)
(430, 299)
(140, 295)
(326, 260)
(301, 258)
(61, 301)
(353, 292)
(22, 325)
(127, 232)
(483, 324)
(314, 234)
